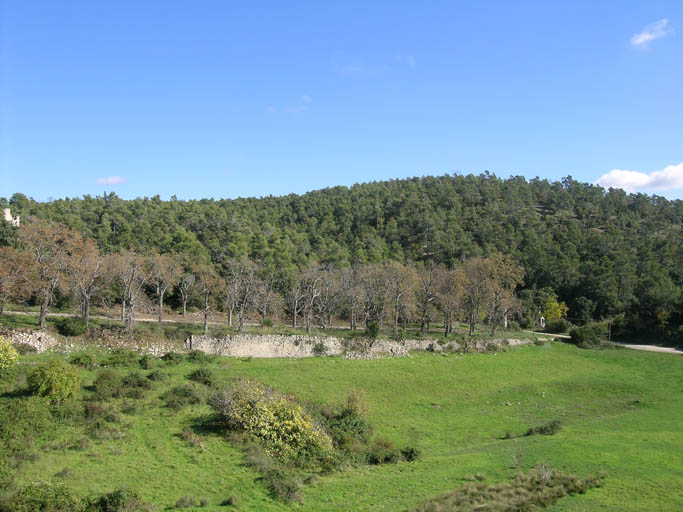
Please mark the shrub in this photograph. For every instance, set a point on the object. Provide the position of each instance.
(282, 484)
(372, 330)
(43, 496)
(203, 376)
(267, 322)
(83, 359)
(25, 348)
(22, 420)
(181, 396)
(548, 429)
(319, 349)
(232, 501)
(146, 361)
(383, 452)
(8, 354)
(285, 429)
(71, 326)
(540, 488)
(121, 357)
(204, 502)
(107, 384)
(55, 379)
(157, 375)
(197, 356)
(120, 500)
(410, 453)
(557, 326)
(172, 358)
(585, 337)
(186, 502)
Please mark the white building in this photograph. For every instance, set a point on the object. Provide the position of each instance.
(8, 217)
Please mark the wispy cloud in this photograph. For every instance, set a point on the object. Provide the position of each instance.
(301, 106)
(111, 180)
(669, 178)
(655, 30)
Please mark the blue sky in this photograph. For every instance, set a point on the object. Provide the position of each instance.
(227, 99)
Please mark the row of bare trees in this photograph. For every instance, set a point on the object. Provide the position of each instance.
(53, 256)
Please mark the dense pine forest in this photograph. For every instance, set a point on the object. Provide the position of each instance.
(607, 254)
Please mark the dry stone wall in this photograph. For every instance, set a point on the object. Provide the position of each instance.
(247, 345)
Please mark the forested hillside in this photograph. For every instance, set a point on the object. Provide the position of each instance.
(604, 253)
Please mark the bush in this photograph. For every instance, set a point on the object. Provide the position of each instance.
(43, 496)
(410, 453)
(197, 356)
(172, 358)
(550, 428)
(157, 375)
(83, 359)
(72, 326)
(284, 428)
(540, 488)
(203, 376)
(181, 396)
(557, 326)
(282, 484)
(8, 354)
(25, 348)
(186, 502)
(232, 501)
(107, 384)
(146, 361)
(22, 420)
(55, 379)
(372, 330)
(319, 349)
(585, 337)
(121, 357)
(383, 452)
(120, 500)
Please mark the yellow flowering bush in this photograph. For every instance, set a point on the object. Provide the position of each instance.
(8, 354)
(285, 429)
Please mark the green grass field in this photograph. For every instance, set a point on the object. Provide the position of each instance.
(621, 410)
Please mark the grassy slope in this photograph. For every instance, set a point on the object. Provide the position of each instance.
(594, 393)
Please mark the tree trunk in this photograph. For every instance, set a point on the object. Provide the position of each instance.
(206, 321)
(241, 319)
(232, 308)
(123, 309)
(294, 311)
(161, 306)
(471, 323)
(396, 323)
(353, 318)
(184, 306)
(129, 316)
(2, 306)
(308, 323)
(86, 311)
(43, 309)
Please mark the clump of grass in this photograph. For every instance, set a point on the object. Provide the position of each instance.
(540, 488)
(121, 357)
(193, 439)
(156, 375)
(83, 359)
(232, 501)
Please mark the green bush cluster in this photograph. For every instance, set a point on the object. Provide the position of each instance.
(71, 326)
(83, 359)
(285, 429)
(203, 376)
(547, 429)
(171, 358)
(55, 497)
(540, 488)
(122, 357)
(182, 396)
(585, 337)
(8, 354)
(199, 357)
(55, 379)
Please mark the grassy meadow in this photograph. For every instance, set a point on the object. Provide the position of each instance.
(621, 412)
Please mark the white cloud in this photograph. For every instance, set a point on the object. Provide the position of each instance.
(111, 180)
(655, 30)
(669, 178)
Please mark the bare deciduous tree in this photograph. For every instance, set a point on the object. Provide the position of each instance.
(164, 274)
(450, 294)
(131, 271)
(208, 285)
(15, 271)
(401, 285)
(50, 246)
(87, 270)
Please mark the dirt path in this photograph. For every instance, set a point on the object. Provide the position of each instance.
(648, 348)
